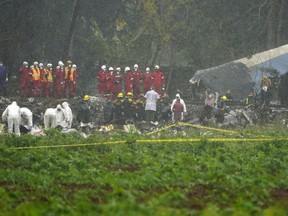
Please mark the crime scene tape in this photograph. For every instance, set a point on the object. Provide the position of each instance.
(187, 140)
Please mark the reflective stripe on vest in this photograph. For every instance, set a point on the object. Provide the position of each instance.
(35, 73)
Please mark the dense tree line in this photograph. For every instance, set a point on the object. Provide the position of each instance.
(191, 33)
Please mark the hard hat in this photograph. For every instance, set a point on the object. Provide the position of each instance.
(120, 95)
(111, 69)
(86, 97)
(25, 63)
(224, 98)
(147, 69)
(103, 67)
(157, 67)
(135, 65)
(178, 95)
(69, 62)
(49, 65)
(129, 94)
(32, 66)
(60, 63)
(40, 64)
(74, 66)
(35, 63)
(118, 69)
(127, 69)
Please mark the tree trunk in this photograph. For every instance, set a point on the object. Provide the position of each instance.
(172, 64)
(271, 29)
(69, 42)
(280, 22)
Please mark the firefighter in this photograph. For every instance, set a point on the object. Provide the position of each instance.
(36, 75)
(73, 78)
(110, 82)
(140, 108)
(84, 114)
(148, 81)
(129, 106)
(118, 110)
(137, 77)
(265, 90)
(59, 80)
(67, 72)
(101, 78)
(118, 81)
(128, 80)
(47, 81)
(24, 79)
(158, 79)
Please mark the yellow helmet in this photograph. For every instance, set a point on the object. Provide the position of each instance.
(120, 95)
(129, 94)
(86, 97)
(224, 98)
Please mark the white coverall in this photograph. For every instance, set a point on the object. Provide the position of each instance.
(184, 107)
(12, 115)
(50, 118)
(68, 113)
(61, 116)
(26, 118)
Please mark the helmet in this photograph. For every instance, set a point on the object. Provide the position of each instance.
(127, 69)
(103, 67)
(111, 69)
(224, 98)
(118, 69)
(25, 63)
(120, 95)
(147, 69)
(60, 63)
(74, 66)
(49, 65)
(157, 67)
(129, 94)
(32, 66)
(178, 95)
(35, 63)
(40, 64)
(135, 66)
(69, 62)
(86, 97)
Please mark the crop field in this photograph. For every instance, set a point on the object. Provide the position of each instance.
(166, 173)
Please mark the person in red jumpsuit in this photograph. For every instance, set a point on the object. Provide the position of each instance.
(128, 80)
(148, 81)
(110, 82)
(59, 80)
(73, 76)
(101, 78)
(36, 77)
(67, 71)
(137, 76)
(47, 80)
(158, 79)
(24, 79)
(118, 81)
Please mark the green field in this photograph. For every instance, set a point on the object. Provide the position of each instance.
(154, 176)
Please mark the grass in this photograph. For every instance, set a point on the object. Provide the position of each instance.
(180, 178)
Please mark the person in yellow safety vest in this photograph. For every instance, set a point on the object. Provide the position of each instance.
(47, 81)
(35, 71)
(73, 76)
(67, 72)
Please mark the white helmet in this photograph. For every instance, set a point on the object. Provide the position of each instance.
(147, 69)
(49, 65)
(25, 63)
(74, 66)
(111, 69)
(35, 63)
(157, 67)
(135, 66)
(40, 64)
(127, 69)
(103, 67)
(60, 63)
(118, 69)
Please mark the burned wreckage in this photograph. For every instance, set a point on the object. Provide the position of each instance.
(241, 81)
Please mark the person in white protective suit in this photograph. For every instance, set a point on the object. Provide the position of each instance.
(12, 116)
(26, 118)
(183, 104)
(61, 117)
(50, 118)
(68, 112)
